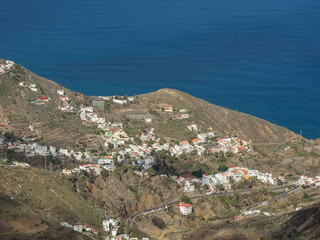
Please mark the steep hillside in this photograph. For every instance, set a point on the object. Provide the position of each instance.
(223, 121)
(23, 108)
(304, 224)
(123, 192)
(33, 203)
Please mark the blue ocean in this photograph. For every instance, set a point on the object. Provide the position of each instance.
(257, 57)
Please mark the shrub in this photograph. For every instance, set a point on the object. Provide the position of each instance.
(158, 222)
(185, 199)
(223, 168)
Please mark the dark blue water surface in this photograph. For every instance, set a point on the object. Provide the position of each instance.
(258, 57)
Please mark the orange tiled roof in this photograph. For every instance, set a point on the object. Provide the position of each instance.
(186, 205)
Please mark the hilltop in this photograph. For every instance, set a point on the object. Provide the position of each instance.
(223, 121)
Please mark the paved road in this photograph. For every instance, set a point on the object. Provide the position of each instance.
(170, 203)
(161, 206)
(293, 188)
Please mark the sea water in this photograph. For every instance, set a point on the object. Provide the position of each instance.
(257, 57)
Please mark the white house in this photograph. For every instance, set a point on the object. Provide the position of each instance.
(118, 101)
(148, 120)
(33, 87)
(185, 208)
(77, 228)
(60, 92)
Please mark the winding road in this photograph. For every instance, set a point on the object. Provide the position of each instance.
(293, 188)
(171, 201)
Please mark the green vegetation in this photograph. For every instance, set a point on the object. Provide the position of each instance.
(185, 199)
(223, 168)
(162, 158)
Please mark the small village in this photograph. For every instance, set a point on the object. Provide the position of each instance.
(110, 226)
(123, 148)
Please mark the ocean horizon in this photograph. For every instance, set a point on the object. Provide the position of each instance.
(260, 58)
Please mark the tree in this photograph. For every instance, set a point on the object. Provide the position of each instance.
(138, 141)
(198, 173)
(103, 154)
(100, 148)
(92, 176)
(185, 199)
(223, 168)
(110, 146)
(107, 104)
(121, 228)
(104, 173)
(229, 154)
(153, 152)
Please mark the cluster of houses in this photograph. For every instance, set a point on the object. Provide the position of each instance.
(165, 108)
(111, 226)
(15, 163)
(181, 114)
(87, 114)
(141, 154)
(5, 67)
(20, 164)
(114, 134)
(308, 181)
(200, 144)
(124, 237)
(32, 86)
(80, 228)
(4, 121)
(113, 131)
(187, 180)
(226, 144)
(251, 212)
(65, 106)
(231, 144)
(193, 127)
(120, 100)
(95, 168)
(236, 174)
(31, 149)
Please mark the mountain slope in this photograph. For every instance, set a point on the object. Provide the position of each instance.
(34, 202)
(222, 120)
(18, 104)
(60, 128)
